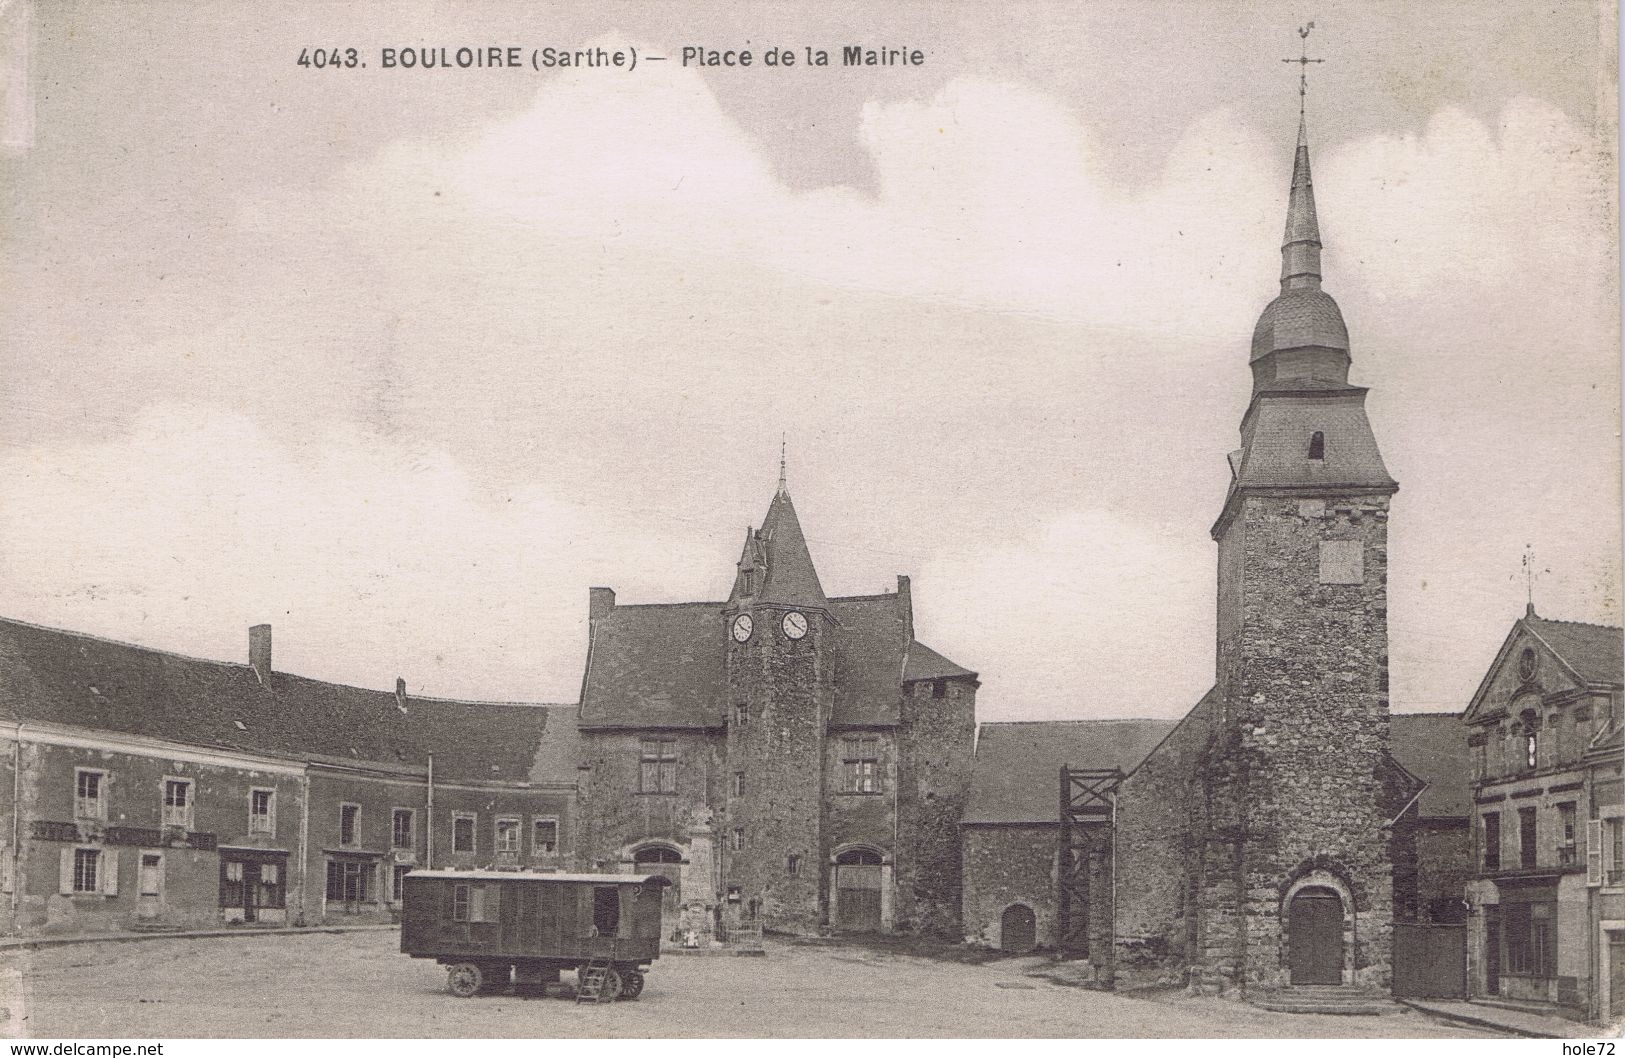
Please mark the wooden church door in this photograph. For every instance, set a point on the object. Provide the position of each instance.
(1315, 937)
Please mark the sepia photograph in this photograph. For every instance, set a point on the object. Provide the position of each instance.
(779, 519)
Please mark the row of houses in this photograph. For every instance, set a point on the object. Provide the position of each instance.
(155, 791)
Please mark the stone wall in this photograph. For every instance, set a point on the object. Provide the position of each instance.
(1308, 709)
(1005, 865)
(936, 737)
(617, 817)
(1162, 823)
(786, 686)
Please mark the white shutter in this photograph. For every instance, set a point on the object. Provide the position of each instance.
(1594, 852)
(109, 868)
(65, 871)
(476, 903)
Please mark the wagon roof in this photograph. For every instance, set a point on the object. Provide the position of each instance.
(532, 876)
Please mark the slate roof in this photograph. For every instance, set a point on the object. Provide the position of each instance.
(1016, 774)
(665, 665)
(657, 666)
(926, 664)
(1433, 747)
(51, 676)
(1276, 442)
(781, 547)
(1299, 318)
(1593, 651)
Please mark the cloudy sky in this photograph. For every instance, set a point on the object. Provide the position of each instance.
(403, 361)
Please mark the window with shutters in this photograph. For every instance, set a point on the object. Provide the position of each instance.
(86, 870)
(261, 811)
(462, 831)
(860, 765)
(87, 794)
(658, 771)
(177, 802)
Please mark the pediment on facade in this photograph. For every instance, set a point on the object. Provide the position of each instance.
(1526, 666)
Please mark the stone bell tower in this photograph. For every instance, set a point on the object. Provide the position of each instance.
(781, 689)
(1295, 854)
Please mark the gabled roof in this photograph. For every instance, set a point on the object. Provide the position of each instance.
(1594, 652)
(51, 676)
(1016, 774)
(923, 663)
(1433, 747)
(1590, 654)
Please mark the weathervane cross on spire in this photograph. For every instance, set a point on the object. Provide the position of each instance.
(783, 441)
(1303, 62)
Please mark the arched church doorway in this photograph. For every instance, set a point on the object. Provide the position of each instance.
(857, 891)
(1315, 937)
(1018, 929)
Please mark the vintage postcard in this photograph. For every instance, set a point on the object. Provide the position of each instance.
(805, 519)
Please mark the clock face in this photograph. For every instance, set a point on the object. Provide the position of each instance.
(741, 627)
(795, 625)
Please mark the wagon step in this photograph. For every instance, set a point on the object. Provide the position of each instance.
(593, 979)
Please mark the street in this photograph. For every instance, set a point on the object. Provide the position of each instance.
(358, 985)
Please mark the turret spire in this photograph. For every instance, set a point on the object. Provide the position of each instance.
(1300, 250)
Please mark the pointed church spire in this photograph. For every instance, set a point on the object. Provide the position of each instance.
(1300, 250)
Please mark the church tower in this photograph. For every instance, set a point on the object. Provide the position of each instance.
(1298, 878)
(780, 684)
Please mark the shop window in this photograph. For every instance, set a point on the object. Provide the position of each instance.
(1531, 938)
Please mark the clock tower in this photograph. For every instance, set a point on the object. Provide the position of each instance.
(780, 684)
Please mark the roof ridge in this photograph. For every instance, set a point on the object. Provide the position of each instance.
(664, 605)
(434, 699)
(863, 598)
(93, 637)
(1577, 624)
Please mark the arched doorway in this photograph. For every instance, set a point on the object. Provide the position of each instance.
(665, 861)
(1018, 929)
(857, 890)
(1315, 936)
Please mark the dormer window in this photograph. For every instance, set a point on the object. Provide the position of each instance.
(746, 577)
(1317, 445)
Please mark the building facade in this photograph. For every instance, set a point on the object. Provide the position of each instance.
(784, 756)
(1547, 895)
(155, 791)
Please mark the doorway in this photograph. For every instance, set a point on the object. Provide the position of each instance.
(857, 891)
(1018, 929)
(1315, 937)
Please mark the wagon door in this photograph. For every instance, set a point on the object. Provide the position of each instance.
(550, 899)
(510, 918)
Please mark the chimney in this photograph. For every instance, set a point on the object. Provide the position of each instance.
(259, 651)
(905, 605)
(600, 601)
(400, 693)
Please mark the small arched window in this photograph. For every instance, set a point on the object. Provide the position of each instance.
(1317, 445)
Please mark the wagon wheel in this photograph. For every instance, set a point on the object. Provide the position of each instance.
(613, 985)
(631, 984)
(464, 979)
